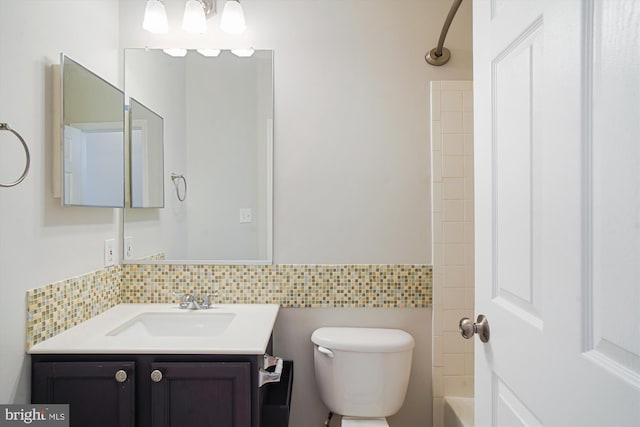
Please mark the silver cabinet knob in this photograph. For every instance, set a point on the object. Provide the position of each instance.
(121, 376)
(156, 376)
(468, 329)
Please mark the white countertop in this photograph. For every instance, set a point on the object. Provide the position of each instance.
(248, 333)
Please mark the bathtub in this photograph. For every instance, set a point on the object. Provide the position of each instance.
(458, 412)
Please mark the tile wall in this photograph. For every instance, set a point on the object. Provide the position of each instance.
(453, 265)
(56, 307)
(59, 306)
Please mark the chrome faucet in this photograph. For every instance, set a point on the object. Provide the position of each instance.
(190, 302)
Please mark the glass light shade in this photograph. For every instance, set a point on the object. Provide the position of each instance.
(209, 52)
(155, 17)
(175, 52)
(194, 19)
(243, 53)
(232, 20)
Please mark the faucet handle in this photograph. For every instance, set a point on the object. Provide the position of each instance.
(206, 299)
(206, 302)
(187, 299)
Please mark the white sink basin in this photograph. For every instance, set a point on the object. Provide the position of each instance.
(183, 324)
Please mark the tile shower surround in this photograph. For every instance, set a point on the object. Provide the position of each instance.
(453, 228)
(54, 308)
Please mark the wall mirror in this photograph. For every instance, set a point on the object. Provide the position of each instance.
(92, 138)
(146, 165)
(218, 155)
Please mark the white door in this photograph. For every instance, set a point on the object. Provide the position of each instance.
(557, 163)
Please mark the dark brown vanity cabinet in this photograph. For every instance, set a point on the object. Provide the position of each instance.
(201, 394)
(101, 394)
(162, 390)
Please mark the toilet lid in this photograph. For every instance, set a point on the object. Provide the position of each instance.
(364, 422)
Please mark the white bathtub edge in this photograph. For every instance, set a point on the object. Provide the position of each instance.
(458, 411)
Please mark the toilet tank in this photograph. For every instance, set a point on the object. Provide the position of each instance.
(362, 372)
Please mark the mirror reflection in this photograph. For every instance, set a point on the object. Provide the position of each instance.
(218, 138)
(93, 138)
(146, 133)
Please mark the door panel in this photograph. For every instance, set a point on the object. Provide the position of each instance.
(557, 131)
(614, 153)
(515, 78)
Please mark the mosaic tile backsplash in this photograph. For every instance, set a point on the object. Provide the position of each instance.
(313, 286)
(59, 306)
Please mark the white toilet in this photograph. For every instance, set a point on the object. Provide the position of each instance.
(362, 373)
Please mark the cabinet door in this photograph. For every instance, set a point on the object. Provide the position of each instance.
(213, 394)
(98, 394)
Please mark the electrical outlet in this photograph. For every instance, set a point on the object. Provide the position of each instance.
(109, 252)
(128, 247)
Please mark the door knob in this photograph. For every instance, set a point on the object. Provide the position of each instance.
(468, 329)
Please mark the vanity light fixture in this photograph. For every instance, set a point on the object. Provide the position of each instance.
(209, 52)
(232, 20)
(176, 52)
(243, 53)
(195, 15)
(155, 17)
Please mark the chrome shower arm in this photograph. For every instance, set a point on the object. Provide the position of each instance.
(440, 55)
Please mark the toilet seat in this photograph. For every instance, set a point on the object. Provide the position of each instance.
(364, 422)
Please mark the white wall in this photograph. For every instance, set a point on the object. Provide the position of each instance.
(351, 117)
(41, 242)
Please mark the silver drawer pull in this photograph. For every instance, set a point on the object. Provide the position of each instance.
(156, 376)
(271, 377)
(121, 376)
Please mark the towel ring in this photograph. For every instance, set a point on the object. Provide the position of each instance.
(5, 126)
(176, 177)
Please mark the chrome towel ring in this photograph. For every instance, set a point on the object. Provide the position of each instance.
(5, 126)
(176, 178)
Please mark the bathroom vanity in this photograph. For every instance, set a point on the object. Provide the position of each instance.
(132, 366)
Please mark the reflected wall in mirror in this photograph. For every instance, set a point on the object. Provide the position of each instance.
(93, 138)
(146, 133)
(218, 134)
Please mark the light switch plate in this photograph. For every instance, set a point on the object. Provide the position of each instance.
(128, 247)
(245, 215)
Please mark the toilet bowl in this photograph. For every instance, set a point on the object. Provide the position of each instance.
(362, 373)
